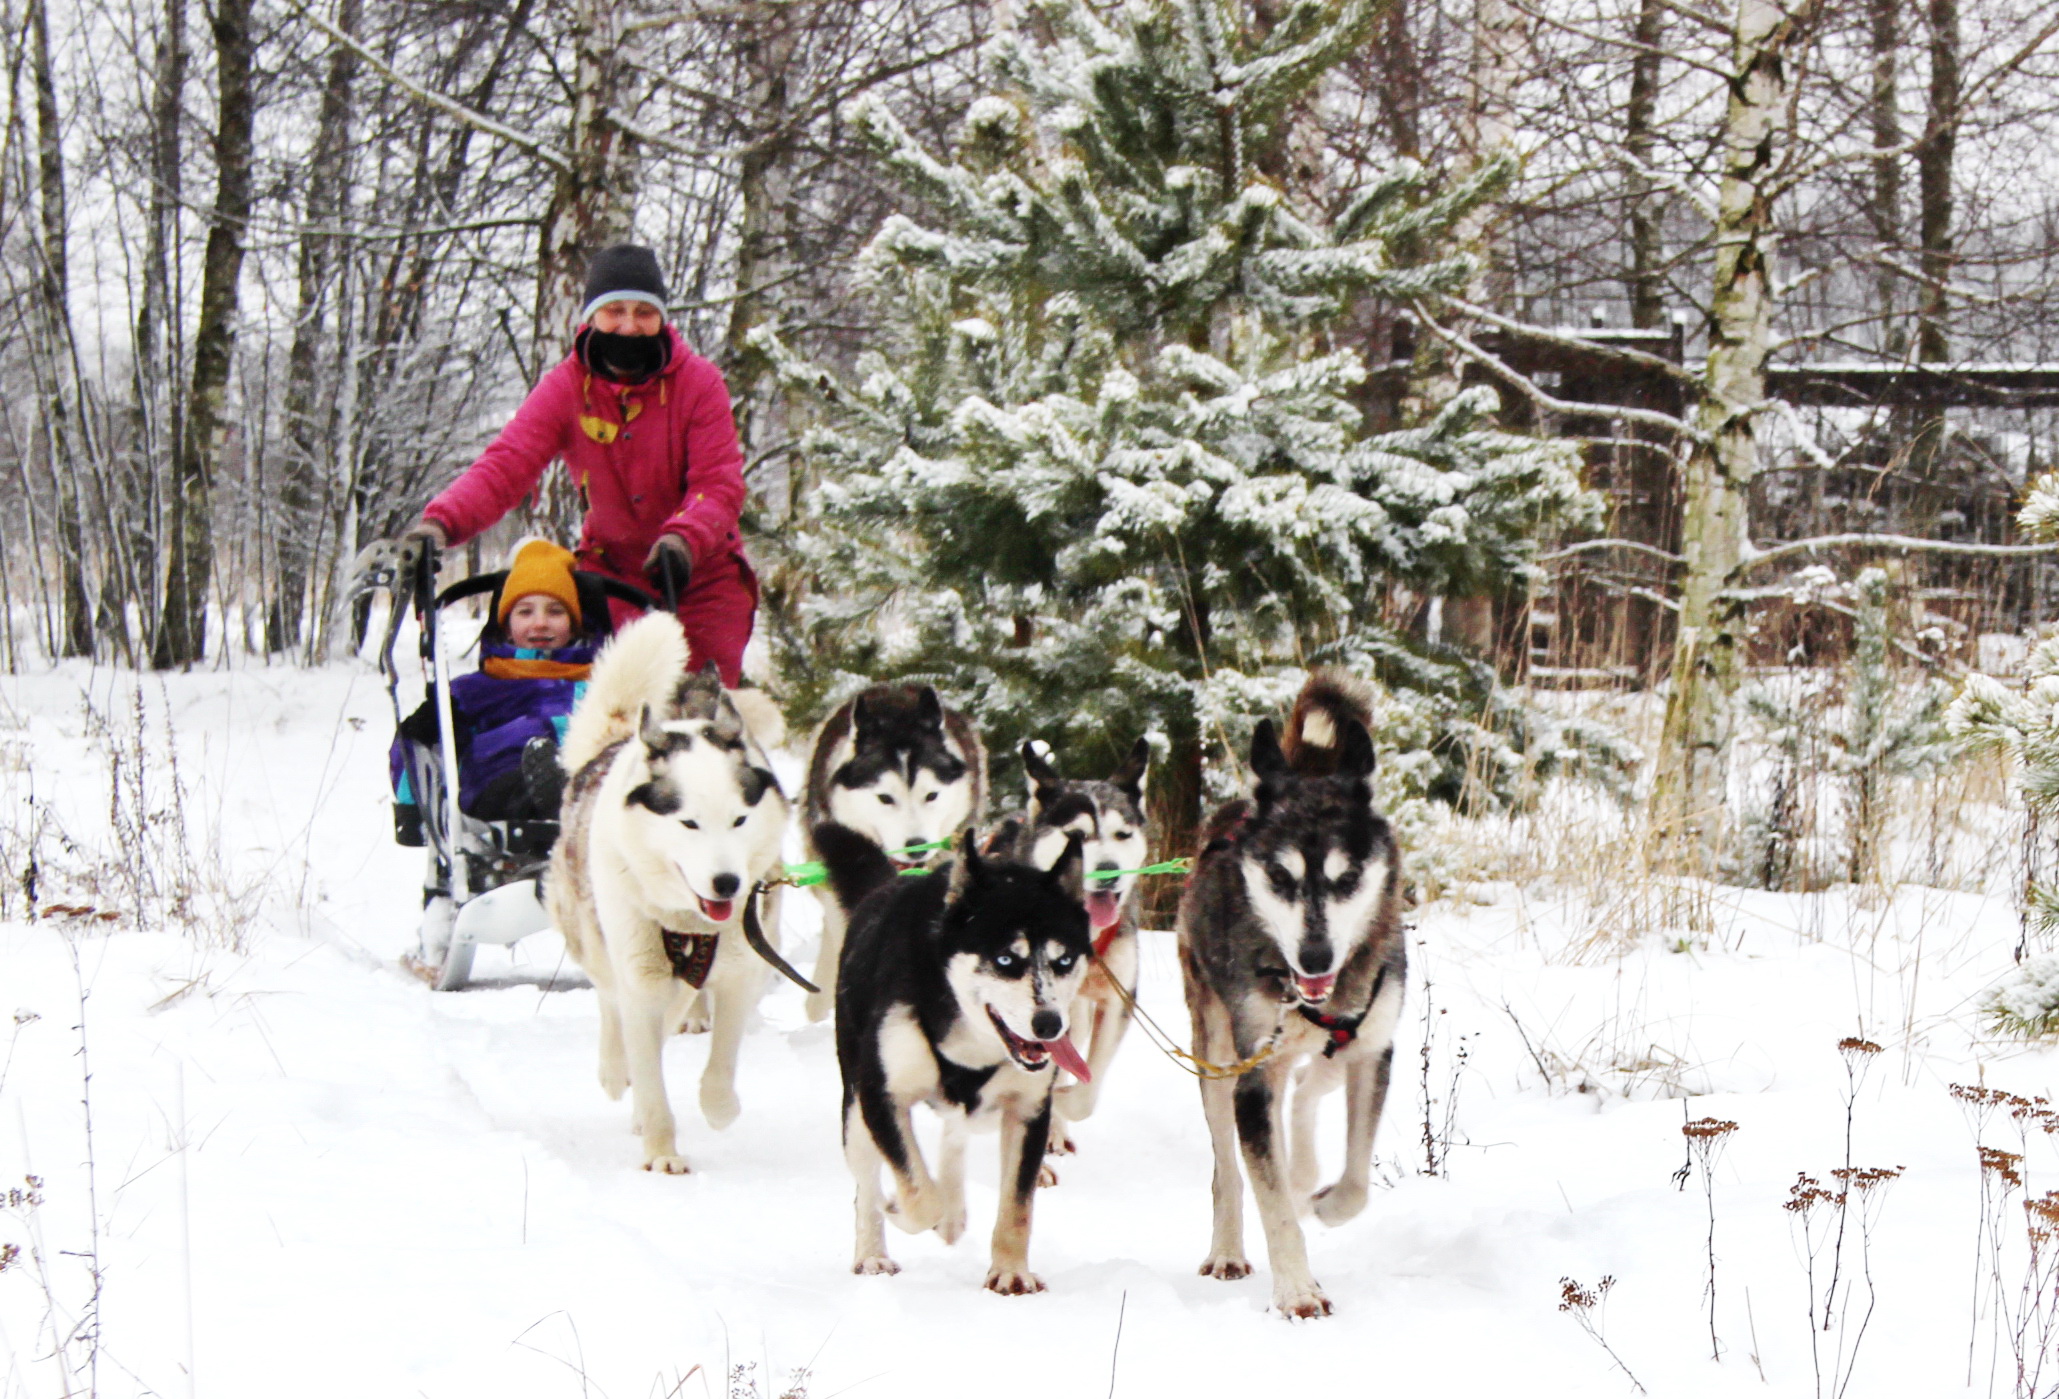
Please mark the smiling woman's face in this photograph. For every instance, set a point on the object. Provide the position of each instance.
(627, 318)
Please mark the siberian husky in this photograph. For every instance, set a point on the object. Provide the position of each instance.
(956, 990)
(901, 770)
(672, 820)
(1108, 817)
(1291, 948)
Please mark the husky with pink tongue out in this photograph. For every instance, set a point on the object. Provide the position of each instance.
(1108, 817)
(1292, 954)
(955, 989)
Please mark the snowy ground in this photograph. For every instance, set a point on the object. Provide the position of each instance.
(389, 1192)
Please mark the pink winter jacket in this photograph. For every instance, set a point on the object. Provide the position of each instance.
(673, 466)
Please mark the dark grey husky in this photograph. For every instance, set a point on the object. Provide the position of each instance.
(956, 990)
(1108, 818)
(1291, 948)
(896, 766)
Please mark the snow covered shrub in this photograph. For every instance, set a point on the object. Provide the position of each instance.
(1111, 472)
(2027, 1003)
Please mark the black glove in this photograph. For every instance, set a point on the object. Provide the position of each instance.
(669, 566)
(421, 545)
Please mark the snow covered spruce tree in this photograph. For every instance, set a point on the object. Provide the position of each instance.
(1108, 472)
(1988, 717)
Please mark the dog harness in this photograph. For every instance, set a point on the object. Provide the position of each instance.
(691, 954)
(1342, 1029)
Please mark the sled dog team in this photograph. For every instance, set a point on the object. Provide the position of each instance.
(969, 987)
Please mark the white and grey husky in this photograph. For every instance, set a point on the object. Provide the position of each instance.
(901, 770)
(1292, 953)
(1107, 817)
(671, 824)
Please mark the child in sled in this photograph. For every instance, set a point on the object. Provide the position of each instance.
(510, 713)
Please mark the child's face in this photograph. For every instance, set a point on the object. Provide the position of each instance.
(540, 622)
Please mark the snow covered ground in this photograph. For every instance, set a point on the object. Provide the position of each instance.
(384, 1191)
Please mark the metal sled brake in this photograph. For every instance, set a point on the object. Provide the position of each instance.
(484, 879)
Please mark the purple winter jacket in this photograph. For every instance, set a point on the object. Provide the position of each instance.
(495, 719)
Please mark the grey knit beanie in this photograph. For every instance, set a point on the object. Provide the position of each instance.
(624, 272)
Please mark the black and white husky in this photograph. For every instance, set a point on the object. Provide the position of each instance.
(897, 767)
(672, 820)
(956, 990)
(1108, 818)
(1292, 953)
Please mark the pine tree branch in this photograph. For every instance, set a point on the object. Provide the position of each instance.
(549, 155)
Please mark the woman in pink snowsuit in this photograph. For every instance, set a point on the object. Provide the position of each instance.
(645, 428)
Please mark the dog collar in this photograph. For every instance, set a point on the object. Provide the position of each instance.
(1105, 939)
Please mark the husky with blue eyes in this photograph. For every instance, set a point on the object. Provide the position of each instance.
(899, 768)
(1292, 953)
(956, 990)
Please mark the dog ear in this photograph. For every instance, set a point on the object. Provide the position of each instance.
(1266, 758)
(1356, 758)
(655, 740)
(1043, 777)
(727, 729)
(755, 782)
(1066, 874)
(862, 717)
(929, 708)
(1130, 776)
(968, 869)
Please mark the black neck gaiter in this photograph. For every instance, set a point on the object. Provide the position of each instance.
(626, 359)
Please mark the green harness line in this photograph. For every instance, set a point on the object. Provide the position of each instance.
(801, 876)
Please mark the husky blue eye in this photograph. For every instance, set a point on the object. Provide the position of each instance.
(1064, 964)
(1004, 960)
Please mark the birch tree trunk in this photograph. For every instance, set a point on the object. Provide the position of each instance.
(308, 424)
(1689, 788)
(593, 203)
(53, 332)
(182, 636)
(767, 34)
(1885, 36)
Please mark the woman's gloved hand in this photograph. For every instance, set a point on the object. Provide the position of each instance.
(422, 541)
(669, 566)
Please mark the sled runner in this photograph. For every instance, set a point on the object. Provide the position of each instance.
(483, 880)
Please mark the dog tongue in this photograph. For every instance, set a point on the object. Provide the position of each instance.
(1067, 1055)
(716, 910)
(1104, 909)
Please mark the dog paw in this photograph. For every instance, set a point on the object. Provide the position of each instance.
(1227, 1266)
(951, 1228)
(696, 1021)
(916, 1214)
(1300, 1303)
(876, 1265)
(1047, 1176)
(1060, 1142)
(820, 1003)
(668, 1165)
(614, 1081)
(719, 1104)
(1074, 1102)
(1338, 1202)
(1014, 1282)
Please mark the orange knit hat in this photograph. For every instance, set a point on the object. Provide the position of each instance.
(539, 566)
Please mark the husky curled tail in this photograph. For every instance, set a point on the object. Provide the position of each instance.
(640, 668)
(1314, 741)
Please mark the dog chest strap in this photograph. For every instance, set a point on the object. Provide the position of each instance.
(691, 954)
(1104, 940)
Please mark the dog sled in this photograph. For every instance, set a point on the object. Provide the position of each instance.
(482, 882)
